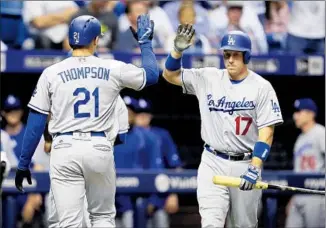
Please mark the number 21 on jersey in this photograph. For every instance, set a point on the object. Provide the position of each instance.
(87, 98)
(239, 130)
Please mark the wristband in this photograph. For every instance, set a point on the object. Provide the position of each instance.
(172, 64)
(261, 150)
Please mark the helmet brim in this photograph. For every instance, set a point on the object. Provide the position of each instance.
(232, 48)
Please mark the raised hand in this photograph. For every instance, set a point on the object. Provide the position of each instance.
(145, 29)
(183, 39)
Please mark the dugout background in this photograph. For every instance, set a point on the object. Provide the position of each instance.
(179, 114)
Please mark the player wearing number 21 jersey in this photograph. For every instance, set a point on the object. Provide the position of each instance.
(238, 110)
(81, 93)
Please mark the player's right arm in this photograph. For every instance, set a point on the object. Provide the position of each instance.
(172, 72)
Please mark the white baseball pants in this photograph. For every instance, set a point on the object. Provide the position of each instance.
(219, 205)
(83, 166)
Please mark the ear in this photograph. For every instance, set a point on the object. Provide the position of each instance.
(96, 41)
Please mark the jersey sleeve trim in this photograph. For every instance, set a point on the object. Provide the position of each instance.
(123, 131)
(183, 83)
(273, 122)
(144, 80)
(38, 109)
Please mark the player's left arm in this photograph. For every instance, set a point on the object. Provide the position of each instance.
(268, 116)
(265, 140)
(134, 77)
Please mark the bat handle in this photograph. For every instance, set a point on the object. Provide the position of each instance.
(261, 185)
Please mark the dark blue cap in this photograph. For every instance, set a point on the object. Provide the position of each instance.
(144, 106)
(12, 103)
(305, 104)
(131, 103)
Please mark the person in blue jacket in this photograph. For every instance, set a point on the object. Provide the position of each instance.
(29, 205)
(159, 205)
(126, 157)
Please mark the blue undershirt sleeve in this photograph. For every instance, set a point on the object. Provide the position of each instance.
(34, 129)
(149, 64)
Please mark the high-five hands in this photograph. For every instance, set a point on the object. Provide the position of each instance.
(145, 29)
(184, 36)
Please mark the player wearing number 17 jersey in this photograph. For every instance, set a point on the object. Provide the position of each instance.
(239, 110)
(81, 93)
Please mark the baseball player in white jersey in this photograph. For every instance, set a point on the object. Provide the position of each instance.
(309, 157)
(7, 146)
(239, 110)
(81, 93)
(121, 127)
(4, 170)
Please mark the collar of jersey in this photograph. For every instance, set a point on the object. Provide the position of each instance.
(237, 81)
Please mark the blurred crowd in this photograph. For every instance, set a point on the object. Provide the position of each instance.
(273, 26)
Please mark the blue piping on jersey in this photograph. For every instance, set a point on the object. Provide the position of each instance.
(149, 64)
(237, 81)
(35, 126)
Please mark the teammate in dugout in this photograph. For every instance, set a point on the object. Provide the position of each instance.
(159, 205)
(81, 93)
(239, 110)
(309, 157)
(4, 171)
(142, 152)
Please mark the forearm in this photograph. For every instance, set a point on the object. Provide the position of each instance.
(52, 19)
(173, 67)
(34, 129)
(46, 21)
(149, 64)
(262, 147)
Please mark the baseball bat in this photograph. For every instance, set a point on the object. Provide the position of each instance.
(235, 182)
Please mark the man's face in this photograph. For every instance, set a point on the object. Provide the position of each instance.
(187, 16)
(234, 15)
(136, 9)
(143, 119)
(233, 61)
(13, 117)
(99, 4)
(302, 117)
(131, 116)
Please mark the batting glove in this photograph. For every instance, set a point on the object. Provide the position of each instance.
(145, 29)
(184, 36)
(249, 178)
(20, 176)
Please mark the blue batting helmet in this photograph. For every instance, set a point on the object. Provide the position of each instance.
(83, 30)
(237, 41)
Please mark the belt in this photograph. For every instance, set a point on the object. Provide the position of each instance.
(93, 133)
(240, 157)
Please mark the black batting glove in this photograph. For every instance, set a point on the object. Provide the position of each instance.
(19, 178)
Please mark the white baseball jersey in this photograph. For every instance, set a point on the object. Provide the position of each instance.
(81, 93)
(232, 114)
(8, 147)
(121, 124)
(309, 151)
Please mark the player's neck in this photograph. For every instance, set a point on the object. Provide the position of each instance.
(82, 52)
(308, 126)
(244, 73)
(14, 129)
